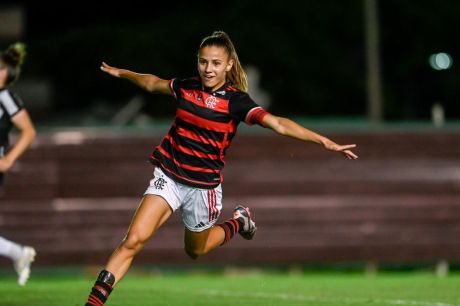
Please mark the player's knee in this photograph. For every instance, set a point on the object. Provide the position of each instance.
(133, 242)
(194, 253)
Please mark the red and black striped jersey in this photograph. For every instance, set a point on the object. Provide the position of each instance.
(193, 151)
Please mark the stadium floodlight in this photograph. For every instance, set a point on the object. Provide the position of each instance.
(440, 61)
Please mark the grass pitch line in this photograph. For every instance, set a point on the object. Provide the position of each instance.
(304, 298)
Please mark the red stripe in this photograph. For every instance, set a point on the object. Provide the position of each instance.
(204, 123)
(211, 205)
(184, 166)
(236, 225)
(95, 300)
(190, 151)
(228, 233)
(256, 115)
(180, 176)
(214, 198)
(101, 290)
(186, 133)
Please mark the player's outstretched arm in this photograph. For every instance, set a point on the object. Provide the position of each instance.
(287, 127)
(149, 82)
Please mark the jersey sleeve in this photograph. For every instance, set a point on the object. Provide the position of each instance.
(243, 108)
(175, 85)
(10, 102)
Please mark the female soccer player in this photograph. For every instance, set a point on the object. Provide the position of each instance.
(12, 113)
(189, 160)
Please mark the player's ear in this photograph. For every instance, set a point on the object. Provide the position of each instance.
(229, 65)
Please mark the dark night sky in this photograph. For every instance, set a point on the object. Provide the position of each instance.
(315, 48)
(43, 18)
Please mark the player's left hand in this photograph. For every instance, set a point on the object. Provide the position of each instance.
(345, 149)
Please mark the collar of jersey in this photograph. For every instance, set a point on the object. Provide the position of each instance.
(218, 89)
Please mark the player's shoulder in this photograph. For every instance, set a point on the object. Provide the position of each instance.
(10, 102)
(189, 83)
(6, 95)
(5, 92)
(236, 94)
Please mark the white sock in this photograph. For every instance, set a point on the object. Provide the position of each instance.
(10, 249)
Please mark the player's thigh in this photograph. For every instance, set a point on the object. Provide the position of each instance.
(196, 241)
(153, 211)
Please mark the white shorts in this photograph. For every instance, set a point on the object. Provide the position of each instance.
(200, 208)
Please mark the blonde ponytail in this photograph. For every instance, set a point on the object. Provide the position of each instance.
(236, 75)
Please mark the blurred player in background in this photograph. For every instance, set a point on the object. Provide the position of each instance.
(189, 160)
(12, 113)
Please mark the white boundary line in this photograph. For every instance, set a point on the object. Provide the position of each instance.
(305, 298)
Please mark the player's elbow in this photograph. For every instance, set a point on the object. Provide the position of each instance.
(32, 134)
(150, 85)
(154, 84)
(29, 134)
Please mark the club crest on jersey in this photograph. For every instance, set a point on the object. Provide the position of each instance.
(211, 102)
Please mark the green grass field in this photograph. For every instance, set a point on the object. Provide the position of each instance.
(328, 289)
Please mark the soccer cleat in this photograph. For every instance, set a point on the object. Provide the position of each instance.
(22, 265)
(243, 215)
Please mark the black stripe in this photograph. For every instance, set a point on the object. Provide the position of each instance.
(106, 286)
(216, 136)
(191, 83)
(203, 112)
(194, 175)
(191, 160)
(193, 144)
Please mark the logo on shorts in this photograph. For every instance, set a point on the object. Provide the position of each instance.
(159, 183)
(201, 224)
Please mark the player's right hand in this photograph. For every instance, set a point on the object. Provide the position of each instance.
(110, 70)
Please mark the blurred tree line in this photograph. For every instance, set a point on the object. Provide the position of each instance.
(310, 54)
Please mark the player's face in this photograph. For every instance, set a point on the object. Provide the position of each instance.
(213, 65)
